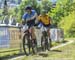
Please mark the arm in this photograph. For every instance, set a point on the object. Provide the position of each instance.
(24, 19)
(50, 20)
(23, 22)
(34, 13)
(34, 17)
(39, 19)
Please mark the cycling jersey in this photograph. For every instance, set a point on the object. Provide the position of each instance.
(27, 18)
(44, 19)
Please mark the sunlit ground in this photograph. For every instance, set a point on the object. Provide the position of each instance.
(64, 53)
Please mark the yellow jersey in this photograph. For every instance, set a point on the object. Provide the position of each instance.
(44, 19)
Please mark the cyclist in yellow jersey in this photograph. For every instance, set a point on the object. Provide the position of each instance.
(45, 20)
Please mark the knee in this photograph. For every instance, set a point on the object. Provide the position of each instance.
(32, 30)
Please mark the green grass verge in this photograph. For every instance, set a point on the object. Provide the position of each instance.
(14, 51)
(64, 53)
(9, 52)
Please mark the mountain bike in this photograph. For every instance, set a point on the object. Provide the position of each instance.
(45, 41)
(29, 43)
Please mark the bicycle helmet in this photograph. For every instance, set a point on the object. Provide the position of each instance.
(28, 7)
(43, 11)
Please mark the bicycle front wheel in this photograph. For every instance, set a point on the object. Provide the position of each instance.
(26, 45)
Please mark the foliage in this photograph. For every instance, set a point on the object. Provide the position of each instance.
(63, 8)
(60, 14)
(33, 3)
(67, 23)
(5, 8)
(46, 5)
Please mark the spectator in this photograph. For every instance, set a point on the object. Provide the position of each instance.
(6, 20)
(13, 20)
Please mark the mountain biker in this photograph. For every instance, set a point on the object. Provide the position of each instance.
(6, 20)
(29, 18)
(45, 21)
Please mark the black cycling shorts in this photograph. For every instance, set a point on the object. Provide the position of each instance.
(30, 23)
(48, 25)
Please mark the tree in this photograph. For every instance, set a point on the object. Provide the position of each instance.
(46, 5)
(5, 9)
(24, 3)
(67, 20)
(63, 8)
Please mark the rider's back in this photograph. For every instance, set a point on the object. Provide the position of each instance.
(44, 19)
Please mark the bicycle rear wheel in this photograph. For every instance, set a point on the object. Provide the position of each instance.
(48, 44)
(26, 45)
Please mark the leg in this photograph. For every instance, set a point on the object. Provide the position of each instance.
(34, 42)
(29, 46)
(48, 32)
(33, 34)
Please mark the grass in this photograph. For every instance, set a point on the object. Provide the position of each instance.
(8, 52)
(11, 51)
(64, 53)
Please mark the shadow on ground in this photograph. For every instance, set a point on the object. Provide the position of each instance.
(43, 54)
(56, 51)
(12, 56)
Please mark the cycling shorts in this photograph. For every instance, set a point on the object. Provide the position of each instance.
(44, 27)
(31, 23)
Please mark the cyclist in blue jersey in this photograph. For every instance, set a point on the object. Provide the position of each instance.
(29, 18)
